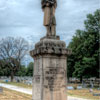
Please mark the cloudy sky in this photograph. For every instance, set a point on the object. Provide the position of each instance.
(24, 18)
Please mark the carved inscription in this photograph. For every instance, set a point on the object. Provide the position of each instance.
(54, 78)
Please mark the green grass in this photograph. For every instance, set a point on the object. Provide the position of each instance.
(84, 93)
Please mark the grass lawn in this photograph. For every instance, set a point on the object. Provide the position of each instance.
(84, 93)
(13, 95)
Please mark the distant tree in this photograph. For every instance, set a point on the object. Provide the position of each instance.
(1, 66)
(30, 69)
(84, 61)
(12, 52)
(4, 70)
(1, 71)
(22, 71)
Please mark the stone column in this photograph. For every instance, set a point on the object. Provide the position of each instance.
(50, 73)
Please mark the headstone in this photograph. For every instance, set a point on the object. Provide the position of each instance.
(18, 80)
(84, 84)
(91, 83)
(50, 55)
(98, 88)
(91, 90)
(70, 87)
(6, 81)
(79, 87)
(96, 94)
(1, 90)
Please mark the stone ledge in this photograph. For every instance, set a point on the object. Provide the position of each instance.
(51, 37)
(50, 43)
(50, 46)
(52, 51)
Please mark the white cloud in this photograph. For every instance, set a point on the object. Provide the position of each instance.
(25, 18)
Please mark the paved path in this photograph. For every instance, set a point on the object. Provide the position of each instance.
(75, 98)
(16, 88)
(29, 91)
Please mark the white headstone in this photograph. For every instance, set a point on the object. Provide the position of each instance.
(70, 87)
(79, 87)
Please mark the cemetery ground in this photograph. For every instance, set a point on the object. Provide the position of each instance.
(13, 95)
(10, 94)
(84, 93)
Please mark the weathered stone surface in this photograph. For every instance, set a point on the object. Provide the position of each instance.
(49, 81)
(50, 55)
(49, 78)
(50, 46)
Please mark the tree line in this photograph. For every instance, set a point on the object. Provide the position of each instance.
(82, 63)
(23, 70)
(84, 60)
(12, 53)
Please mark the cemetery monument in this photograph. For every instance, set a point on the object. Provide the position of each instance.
(50, 60)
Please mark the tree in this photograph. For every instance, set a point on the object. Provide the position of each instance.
(84, 61)
(12, 52)
(4, 70)
(30, 69)
(22, 71)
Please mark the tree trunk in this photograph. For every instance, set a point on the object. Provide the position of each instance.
(12, 76)
(81, 78)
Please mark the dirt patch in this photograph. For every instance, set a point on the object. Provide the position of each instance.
(84, 94)
(13, 95)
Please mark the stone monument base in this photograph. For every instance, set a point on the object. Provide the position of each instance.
(50, 58)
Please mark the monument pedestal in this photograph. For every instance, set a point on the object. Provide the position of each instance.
(50, 58)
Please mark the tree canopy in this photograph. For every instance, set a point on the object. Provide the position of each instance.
(12, 52)
(29, 71)
(84, 61)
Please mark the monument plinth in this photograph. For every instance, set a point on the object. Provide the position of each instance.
(50, 58)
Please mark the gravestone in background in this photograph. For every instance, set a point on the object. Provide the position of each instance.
(1, 89)
(50, 60)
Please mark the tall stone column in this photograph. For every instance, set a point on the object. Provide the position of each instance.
(50, 60)
(50, 63)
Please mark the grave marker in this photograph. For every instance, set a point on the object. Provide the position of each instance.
(50, 55)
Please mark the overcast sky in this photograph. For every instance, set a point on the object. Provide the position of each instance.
(25, 18)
